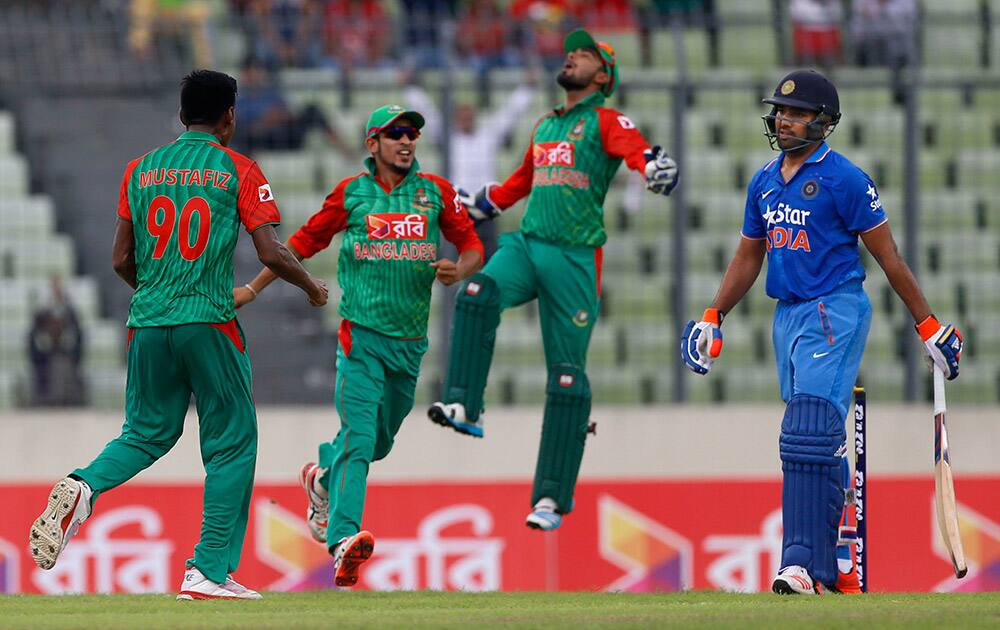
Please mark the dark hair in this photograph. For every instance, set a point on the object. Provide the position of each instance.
(206, 95)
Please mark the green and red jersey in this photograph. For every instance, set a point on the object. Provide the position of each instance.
(390, 240)
(186, 201)
(569, 164)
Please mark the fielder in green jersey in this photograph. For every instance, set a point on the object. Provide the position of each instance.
(555, 258)
(180, 210)
(392, 216)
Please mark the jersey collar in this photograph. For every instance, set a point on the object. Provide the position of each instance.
(594, 100)
(370, 165)
(203, 136)
(817, 156)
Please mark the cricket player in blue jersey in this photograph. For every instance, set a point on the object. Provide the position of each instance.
(805, 210)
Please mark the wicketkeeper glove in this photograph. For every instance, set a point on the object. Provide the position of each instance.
(661, 171)
(479, 206)
(943, 344)
(701, 342)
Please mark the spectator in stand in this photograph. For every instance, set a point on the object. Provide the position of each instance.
(55, 347)
(285, 33)
(149, 18)
(482, 38)
(266, 120)
(543, 25)
(816, 31)
(658, 14)
(883, 32)
(473, 146)
(423, 24)
(354, 32)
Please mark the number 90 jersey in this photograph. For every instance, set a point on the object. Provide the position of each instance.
(186, 201)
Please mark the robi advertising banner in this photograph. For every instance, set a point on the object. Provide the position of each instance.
(639, 536)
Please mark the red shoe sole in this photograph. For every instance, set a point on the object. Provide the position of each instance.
(362, 547)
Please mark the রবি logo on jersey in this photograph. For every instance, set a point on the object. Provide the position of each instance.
(396, 225)
(554, 154)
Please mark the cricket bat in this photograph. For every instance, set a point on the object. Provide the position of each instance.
(944, 486)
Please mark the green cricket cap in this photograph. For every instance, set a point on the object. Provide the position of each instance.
(386, 115)
(582, 39)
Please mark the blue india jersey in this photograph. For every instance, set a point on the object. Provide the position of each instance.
(811, 223)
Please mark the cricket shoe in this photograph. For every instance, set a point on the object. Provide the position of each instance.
(453, 415)
(351, 553)
(794, 580)
(68, 508)
(848, 583)
(319, 506)
(196, 586)
(544, 516)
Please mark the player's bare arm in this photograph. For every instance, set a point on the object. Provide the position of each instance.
(740, 275)
(882, 246)
(123, 253)
(285, 265)
(449, 271)
(246, 293)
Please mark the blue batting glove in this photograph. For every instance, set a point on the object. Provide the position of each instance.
(661, 171)
(479, 206)
(701, 342)
(943, 344)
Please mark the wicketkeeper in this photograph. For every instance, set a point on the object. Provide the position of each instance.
(554, 258)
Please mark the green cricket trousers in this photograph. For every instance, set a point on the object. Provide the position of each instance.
(166, 365)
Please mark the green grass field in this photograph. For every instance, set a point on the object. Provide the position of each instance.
(541, 610)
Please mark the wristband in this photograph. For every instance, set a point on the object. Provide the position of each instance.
(928, 327)
(250, 289)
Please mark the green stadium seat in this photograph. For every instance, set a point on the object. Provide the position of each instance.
(748, 46)
(37, 259)
(6, 133)
(26, 217)
(13, 176)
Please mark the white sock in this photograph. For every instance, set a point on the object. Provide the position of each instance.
(545, 504)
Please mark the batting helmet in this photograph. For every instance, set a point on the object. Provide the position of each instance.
(809, 90)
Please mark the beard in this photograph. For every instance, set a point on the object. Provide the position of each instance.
(570, 83)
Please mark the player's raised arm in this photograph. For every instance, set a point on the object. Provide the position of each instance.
(279, 261)
(622, 139)
(942, 342)
(492, 199)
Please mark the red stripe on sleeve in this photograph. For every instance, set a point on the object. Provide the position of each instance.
(318, 231)
(454, 220)
(621, 138)
(255, 199)
(124, 209)
(518, 185)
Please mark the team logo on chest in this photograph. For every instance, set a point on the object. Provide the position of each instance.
(576, 133)
(810, 189)
(786, 227)
(421, 201)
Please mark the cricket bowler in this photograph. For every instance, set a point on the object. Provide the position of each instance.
(180, 210)
(392, 216)
(805, 210)
(555, 258)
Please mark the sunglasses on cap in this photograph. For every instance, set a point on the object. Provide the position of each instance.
(395, 133)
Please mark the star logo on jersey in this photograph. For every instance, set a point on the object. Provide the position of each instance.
(265, 194)
(871, 192)
(769, 215)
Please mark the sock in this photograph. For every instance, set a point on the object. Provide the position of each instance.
(545, 504)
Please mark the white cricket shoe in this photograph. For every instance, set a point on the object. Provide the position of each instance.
(453, 415)
(544, 516)
(794, 580)
(319, 506)
(351, 553)
(196, 586)
(68, 508)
